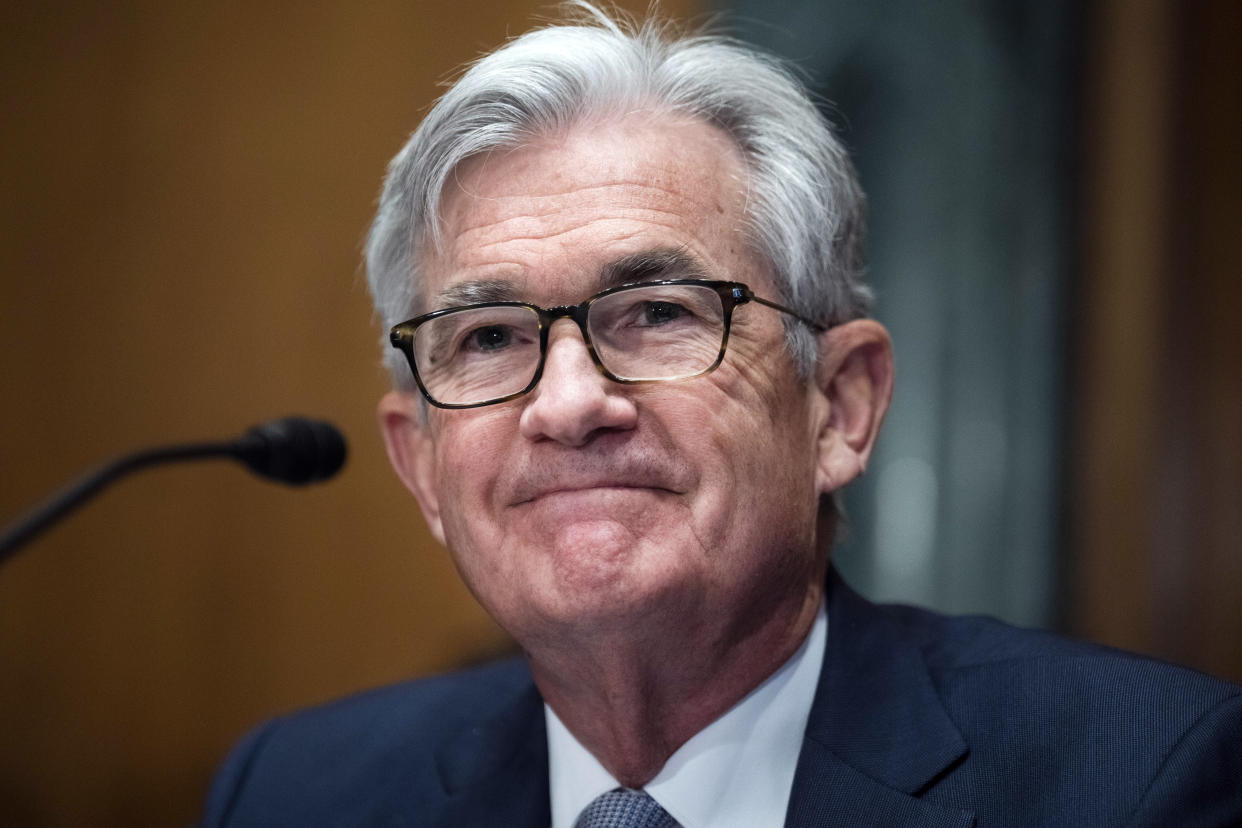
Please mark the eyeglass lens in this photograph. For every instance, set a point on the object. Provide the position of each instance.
(649, 332)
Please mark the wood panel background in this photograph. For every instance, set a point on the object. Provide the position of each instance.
(1154, 563)
(185, 189)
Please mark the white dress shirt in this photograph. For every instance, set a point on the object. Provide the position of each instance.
(735, 773)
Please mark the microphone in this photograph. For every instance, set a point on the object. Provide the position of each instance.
(293, 450)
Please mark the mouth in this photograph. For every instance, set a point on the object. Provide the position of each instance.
(584, 478)
(603, 487)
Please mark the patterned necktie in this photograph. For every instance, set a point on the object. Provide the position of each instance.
(625, 808)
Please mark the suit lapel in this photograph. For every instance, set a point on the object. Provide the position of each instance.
(497, 772)
(878, 733)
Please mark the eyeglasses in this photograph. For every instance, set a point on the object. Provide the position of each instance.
(647, 332)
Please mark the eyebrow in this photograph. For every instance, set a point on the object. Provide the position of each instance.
(651, 265)
(476, 292)
(644, 266)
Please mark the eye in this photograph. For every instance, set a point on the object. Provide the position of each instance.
(488, 338)
(661, 313)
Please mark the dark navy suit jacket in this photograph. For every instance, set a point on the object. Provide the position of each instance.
(919, 719)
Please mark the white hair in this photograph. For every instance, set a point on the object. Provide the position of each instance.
(805, 208)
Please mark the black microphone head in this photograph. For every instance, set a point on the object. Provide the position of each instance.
(293, 450)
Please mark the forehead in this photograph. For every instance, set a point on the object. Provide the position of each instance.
(549, 218)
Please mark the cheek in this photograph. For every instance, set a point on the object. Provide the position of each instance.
(758, 443)
(470, 453)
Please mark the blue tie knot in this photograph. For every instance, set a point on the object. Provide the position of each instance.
(625, 808)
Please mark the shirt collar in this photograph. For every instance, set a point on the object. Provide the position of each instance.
(711, 779)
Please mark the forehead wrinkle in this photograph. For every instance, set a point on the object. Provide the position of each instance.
(632, 207)
(472, 209)
(528, 229)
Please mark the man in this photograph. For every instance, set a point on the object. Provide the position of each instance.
(632, 368)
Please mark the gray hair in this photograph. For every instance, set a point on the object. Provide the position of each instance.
(805, 208)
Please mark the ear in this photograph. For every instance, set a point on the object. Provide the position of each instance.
(411, 451)
(855, 378)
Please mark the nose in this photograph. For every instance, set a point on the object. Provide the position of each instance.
(573, 401)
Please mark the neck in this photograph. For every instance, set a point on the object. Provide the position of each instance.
(634, 700)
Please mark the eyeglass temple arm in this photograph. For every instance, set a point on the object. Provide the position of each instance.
(749, 296)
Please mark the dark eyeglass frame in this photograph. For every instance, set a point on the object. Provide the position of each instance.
(731, 294)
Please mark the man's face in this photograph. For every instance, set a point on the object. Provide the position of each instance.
(591, 504)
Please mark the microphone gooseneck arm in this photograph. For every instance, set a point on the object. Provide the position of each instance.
(92, 483)
(293, 450)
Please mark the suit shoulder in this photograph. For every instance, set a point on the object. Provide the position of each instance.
(352, 760)
(1051, 721)
(437, 702)
(975, 643)
(994, 675)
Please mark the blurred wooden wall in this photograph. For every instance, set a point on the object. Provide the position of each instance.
(185, 189)
(1156, 504)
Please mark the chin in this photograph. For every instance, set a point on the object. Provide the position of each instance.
(592, 554)
(585, 572)
(596, 585)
